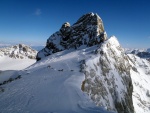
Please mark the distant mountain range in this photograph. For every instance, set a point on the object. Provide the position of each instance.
(18, 51)
(37, 48)
(142, 53)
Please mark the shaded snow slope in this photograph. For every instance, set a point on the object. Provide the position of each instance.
(6, 75)
(52, 85)
(140, 75)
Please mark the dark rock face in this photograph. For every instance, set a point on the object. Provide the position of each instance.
(143, 54)
(87, 31)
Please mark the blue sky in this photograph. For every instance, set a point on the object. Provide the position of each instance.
(33, 21)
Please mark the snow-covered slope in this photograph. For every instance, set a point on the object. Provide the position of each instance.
(7, 63)
(52, 85)
(9, 67)
(107, 77)
(140, 75)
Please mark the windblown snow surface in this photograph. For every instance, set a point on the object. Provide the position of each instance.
(7, 63)
(52, 85)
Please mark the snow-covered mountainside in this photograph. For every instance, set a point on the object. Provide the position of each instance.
(107, 77)
(9, 67)
(140, 74)
(20, 51)
(52, 85)
(86, 32)
(73, 77)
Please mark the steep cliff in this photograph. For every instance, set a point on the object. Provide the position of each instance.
(107, 77)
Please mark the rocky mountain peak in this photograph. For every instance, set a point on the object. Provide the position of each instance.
(65, 27)
(91, 19)
(86, 32)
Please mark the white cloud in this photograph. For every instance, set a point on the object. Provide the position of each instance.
(38, 12)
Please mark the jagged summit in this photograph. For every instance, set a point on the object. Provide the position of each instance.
(20, 51)
(91, 19)
(86, 32)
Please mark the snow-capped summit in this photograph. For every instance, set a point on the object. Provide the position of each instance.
(86, 32)
(19, 51)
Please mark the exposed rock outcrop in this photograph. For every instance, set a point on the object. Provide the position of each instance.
(87, 31)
